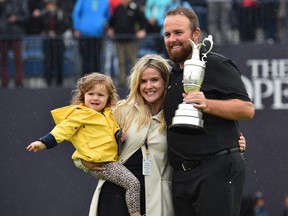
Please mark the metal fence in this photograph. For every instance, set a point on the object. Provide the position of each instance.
(33, 59)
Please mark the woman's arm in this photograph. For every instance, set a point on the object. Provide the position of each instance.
(88, 166)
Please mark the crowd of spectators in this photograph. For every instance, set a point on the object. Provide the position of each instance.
(95, 24)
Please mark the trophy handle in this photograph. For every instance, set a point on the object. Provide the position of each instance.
(194, 46)
(195, 50)
(198, 47)
(210, 39)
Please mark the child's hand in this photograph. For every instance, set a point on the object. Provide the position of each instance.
(36, 146)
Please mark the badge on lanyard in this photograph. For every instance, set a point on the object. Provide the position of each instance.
(147, 163)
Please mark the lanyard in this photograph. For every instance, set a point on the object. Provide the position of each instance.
(146, 147)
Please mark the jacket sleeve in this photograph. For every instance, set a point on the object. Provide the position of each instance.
(49, 140)
(24, 15)
(140, 16)
(77, 14)
(66, 129)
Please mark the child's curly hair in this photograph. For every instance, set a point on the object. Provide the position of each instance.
(88, 82)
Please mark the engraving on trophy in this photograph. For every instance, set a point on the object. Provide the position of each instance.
(187, 119)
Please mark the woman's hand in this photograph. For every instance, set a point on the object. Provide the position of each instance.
(92, 165)
(242, 143)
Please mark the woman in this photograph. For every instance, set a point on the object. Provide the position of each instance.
(141, 118)
(89, 125)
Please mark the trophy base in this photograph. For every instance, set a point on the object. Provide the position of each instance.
(187, 125)
(187, 120)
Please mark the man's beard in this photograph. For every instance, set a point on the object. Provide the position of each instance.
(180, 57)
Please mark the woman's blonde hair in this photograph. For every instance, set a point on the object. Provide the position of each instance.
(88, 82)
(145, 109)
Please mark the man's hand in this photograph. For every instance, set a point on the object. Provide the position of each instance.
(198, 99)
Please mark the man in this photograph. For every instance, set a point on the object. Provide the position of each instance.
(126, 25)
(55, 23)
(209, 172)
(90, 18)
(13, 16)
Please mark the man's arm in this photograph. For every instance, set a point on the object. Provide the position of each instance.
(232, 109)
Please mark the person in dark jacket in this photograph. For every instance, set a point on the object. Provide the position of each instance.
(13, 16)
(127, 24)
(34, 24)
(55, 23)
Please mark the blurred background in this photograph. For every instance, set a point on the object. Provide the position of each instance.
(45, 46)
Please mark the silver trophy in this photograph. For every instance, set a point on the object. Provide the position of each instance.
(187, 119)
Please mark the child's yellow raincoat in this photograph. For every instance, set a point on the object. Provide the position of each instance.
(92, 133)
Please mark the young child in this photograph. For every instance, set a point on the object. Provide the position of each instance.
(89, 125)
